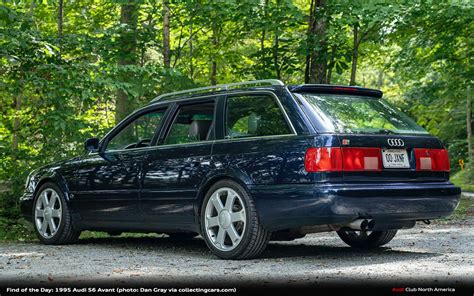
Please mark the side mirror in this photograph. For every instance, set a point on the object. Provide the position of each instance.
(92, 144)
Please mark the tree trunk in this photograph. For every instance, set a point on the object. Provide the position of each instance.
(306, 69)
(126, 55)
(275, 56)
(215, 43)
(380, 79)
(60, 24)
(470, 156)
(166, 34)
(355, 55)
(214, 73)
(275, 50)
(149, 21)
(32, 8)
(191, 64)
(317, 62)
(330, 65)
(263, 36)
(16, 125)
(309, 37)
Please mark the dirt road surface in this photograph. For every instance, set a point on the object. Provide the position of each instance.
(426, 255)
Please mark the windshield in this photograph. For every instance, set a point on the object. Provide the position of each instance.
(357, 114)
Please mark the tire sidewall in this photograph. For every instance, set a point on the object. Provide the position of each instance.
(370, 242)
(54, 239)
(248, 219)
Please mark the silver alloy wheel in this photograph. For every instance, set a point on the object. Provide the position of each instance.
(225, 219)
(48, 213)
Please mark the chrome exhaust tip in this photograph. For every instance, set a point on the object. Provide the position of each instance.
(361, 224)
(371, 224)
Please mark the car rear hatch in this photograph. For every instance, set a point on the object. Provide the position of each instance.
(377, 142)
(392, 158)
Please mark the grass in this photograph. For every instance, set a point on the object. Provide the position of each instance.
(22, 231)
(463, 212)
(97, 234)
(464, 179)
(16, 230)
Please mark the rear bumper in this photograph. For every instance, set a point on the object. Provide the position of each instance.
(291, 206)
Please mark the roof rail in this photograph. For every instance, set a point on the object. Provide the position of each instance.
(220, 87)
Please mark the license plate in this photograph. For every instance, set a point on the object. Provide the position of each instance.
(395, 159)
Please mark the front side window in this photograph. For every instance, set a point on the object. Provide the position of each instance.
(358, 114)
(138, 133)
(193, 123)
(253, 116)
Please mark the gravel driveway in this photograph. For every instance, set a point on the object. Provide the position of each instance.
(426, 254)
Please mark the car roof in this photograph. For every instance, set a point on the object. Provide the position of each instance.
(262, 85)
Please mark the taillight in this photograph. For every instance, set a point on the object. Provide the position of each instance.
(361, 159)
(323, 159)
(334, 159)
(432, 159)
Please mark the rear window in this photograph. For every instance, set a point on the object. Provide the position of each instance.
(356, 114)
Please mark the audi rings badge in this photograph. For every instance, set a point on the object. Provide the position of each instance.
(395, 142)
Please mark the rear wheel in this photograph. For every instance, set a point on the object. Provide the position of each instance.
(229, 222)
(366, 239)
(51, 217)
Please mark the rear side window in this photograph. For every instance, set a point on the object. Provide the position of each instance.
(193, 123)
(253, 116)
(358, 114)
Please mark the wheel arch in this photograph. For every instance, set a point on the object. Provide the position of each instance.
(240, 178)
(57, 179)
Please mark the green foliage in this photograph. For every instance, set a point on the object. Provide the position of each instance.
(433, 61)
(464, 179)
(464, 212)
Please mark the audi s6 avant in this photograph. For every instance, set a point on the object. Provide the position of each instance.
(245, 163)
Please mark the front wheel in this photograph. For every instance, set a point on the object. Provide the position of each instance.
(51, 217)
(362, 239)
(230, 224)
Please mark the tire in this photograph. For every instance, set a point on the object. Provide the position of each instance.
(237, 218)
(182, 236)
(56, 216)
(374, 239)
(286, 236)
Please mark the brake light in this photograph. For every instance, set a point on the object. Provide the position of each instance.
(344, 88)
(361, 159)
(335, 159)
(432, 160)
(323, 159)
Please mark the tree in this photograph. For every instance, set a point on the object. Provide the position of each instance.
(366, 21)
(126, 54)
(60, 23)
(470, 152)
(432, 61)
(166, 34)
(316, 58)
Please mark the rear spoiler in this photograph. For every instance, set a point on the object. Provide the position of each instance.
(335, 89)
